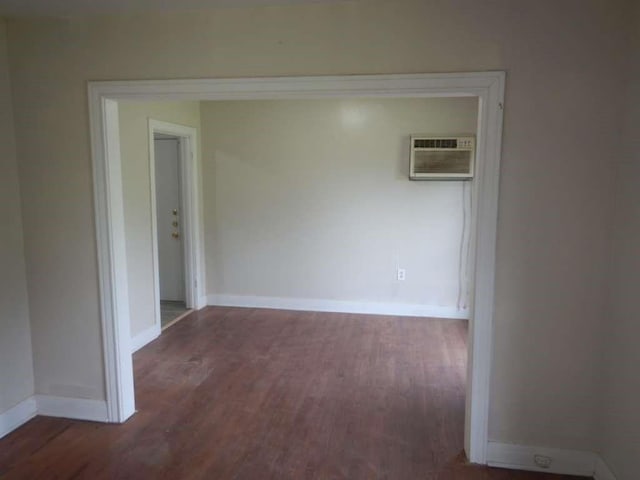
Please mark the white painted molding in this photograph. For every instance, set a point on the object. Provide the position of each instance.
(17, 416)
(488, 87)
(50, 406)
(76, 408)
(341, 306)
(602, 470)
(112, 256)
(145, 337)
(522, 457)
(203, 301)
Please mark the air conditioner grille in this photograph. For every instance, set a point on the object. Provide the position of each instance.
(435, 143)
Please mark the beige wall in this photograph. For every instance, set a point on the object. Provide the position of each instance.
(134, 148)
(16, 368)
(621, 421)
(311, 199)
(555, 185)
(620, 445)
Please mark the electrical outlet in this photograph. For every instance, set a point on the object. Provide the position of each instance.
(542, 461)
(402, 274)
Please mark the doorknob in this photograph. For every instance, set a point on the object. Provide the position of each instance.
(175, 235)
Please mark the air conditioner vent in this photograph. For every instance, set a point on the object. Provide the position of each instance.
(435, 143)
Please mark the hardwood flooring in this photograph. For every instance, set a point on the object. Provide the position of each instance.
(231, 393)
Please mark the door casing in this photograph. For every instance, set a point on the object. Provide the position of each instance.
(487, 86)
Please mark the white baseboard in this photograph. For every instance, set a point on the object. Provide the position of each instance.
(17, 416)
(144, 337)
(566, 462)
(50, 406)
(321, 305)
(202, 302)
(76, 408)
(602, 471)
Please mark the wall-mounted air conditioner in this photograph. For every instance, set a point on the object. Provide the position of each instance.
(442, 158)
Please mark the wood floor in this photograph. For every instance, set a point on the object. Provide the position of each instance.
(231, 393)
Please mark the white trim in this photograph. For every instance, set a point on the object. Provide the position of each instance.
(487, 86)
(145, 337)
(602, 470)
(203, 301)
(266, 88)
(76, 408)
(190, 218)
(50, 406)
(341, 306)
(521, 457)
(17, 415)
(112, 256)
(482, 242)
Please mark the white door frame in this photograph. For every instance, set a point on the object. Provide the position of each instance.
(188, 145)
(103, 97)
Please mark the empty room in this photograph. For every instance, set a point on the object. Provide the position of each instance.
(355, 239)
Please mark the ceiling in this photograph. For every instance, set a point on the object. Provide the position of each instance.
(94, 7)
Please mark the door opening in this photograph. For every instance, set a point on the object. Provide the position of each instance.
(175, 230)
(103, 109)
(170, 234)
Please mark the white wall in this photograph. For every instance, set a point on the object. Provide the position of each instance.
(311, 200)
(563, 62)
(134, 149)
(16, 367)
(620, 446)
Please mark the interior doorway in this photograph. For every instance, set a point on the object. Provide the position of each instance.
(487, 86)
(170, 233)
(174, 224)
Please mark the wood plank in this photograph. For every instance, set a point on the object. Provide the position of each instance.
(233, 393)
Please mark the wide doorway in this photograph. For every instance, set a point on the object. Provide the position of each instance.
(487, 87)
